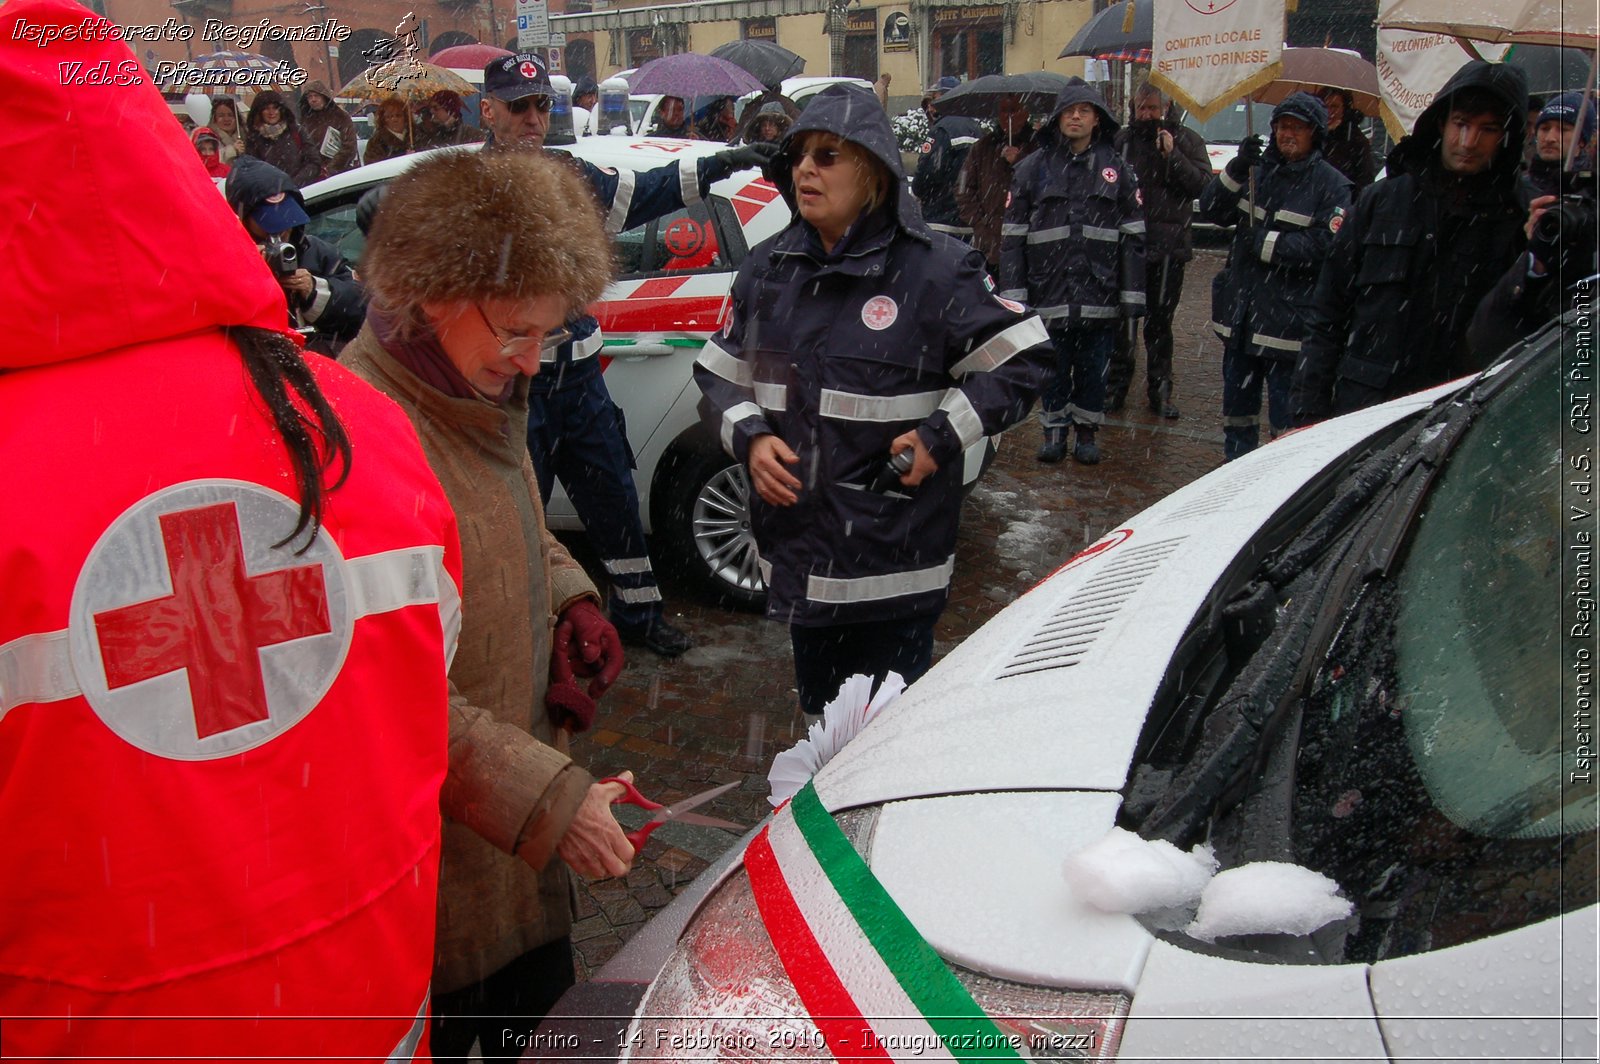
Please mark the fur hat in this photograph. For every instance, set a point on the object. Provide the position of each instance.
(472, 226)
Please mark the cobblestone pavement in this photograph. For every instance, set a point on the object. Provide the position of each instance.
(721, 712)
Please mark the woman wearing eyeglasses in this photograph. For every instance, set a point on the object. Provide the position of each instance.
(474, 263)
(856, 334)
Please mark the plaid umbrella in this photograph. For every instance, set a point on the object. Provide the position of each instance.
(408, 79)
(688, 75)
(250, 65)
(1127, 55)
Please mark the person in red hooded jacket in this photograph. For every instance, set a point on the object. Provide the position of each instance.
(231, 592)
(209, 147)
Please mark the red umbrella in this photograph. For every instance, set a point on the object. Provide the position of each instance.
(467, 56)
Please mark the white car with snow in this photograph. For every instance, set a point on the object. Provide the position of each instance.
(1352, 669)
(670, 296)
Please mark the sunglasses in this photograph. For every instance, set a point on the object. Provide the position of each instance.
(514, 346)
(822, 157)
(538, 101)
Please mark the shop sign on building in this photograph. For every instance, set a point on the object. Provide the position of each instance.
(897, 32)
(955, 16)
(759, 29)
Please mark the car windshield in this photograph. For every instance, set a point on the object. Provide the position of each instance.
(1429, 768)
(1228, 125)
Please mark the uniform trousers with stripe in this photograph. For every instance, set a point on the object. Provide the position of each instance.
(1076, 393)
(576, 433)
(1243, 373)
(827, 656)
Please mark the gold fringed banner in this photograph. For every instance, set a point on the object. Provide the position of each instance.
(1207, 59)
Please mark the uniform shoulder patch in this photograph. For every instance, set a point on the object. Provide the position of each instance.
(1336, 222)
(927, 146)
(1109, 175)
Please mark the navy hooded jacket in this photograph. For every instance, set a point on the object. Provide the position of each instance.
(1263, 294)
(838, 353)
(1072, 245)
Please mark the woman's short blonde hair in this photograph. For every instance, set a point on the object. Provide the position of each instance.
(474, 226)
(870, 170)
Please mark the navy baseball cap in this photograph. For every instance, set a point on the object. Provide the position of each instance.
(1565, 108)
(516, 76)
(944, 85)
(279, 213)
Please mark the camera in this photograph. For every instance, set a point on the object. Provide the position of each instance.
(282, 256)
(1564, 237)
(888, 478)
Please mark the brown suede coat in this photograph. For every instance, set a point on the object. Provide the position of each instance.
(511, 791)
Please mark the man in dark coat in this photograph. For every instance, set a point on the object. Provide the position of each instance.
(1346, 148)
(322, 291)
(1171, 163)
(328, 129)
(985, 180)
(939, 169)
(1419, 251)
(575, 431)
(1072, 247)
(1292, 206)
(1557, 127)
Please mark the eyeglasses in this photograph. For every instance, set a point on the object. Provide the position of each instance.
(822, 157)
(538, 101)
(514, 346)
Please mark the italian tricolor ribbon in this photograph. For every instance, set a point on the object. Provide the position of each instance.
(872, 984)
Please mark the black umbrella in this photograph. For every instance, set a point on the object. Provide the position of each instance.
(1103, 33)
(767, 62)
(980, 98)
(1551, 69)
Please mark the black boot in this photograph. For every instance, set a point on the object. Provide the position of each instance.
(1054, 448)
(1161, 402)
(1086, 453)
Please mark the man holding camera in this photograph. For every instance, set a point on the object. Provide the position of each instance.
(575, 432)
(1173, 168)
(1420, 251)
(326, 302)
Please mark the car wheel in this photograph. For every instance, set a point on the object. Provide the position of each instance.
(705, 525)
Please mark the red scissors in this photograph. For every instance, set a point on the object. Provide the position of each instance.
(678, 810)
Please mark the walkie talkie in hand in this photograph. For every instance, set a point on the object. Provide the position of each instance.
(888, 478)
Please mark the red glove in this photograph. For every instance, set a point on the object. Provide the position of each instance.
(566, 703)
(586, 645)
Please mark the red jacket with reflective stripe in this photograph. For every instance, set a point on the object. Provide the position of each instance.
(219, 760)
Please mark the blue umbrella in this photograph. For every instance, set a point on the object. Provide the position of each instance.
(689, 75)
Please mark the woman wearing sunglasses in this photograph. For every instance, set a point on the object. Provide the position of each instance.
(454, 340)
(858, 334)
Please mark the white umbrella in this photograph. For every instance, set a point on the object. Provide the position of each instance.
(1559, 22)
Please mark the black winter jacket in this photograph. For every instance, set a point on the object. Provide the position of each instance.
(1263, 291)
(1072, 246)
(1168, 184)
(840, 353)
(1419, 252)
(939, 172)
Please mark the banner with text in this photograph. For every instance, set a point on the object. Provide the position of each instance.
(1413, 67)
(1208, 53)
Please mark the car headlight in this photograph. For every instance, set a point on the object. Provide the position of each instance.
(724, 995)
